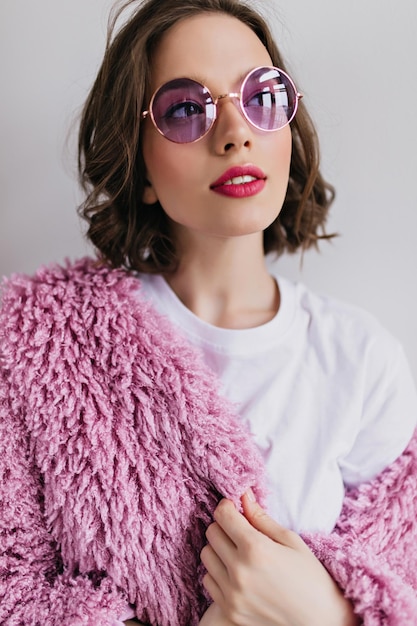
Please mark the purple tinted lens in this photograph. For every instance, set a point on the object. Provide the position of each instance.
(183, 110)
(269, 98)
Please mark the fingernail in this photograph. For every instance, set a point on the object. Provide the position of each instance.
(251, 495)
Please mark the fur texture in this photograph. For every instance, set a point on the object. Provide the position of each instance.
(115, 448)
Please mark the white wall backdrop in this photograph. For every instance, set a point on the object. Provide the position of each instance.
(354, 61)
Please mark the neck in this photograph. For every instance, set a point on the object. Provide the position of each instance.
(225, 282)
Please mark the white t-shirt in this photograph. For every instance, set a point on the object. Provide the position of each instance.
(327, 393)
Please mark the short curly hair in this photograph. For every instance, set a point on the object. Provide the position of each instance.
(126, 231)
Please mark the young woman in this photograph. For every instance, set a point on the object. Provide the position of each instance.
(153, 399)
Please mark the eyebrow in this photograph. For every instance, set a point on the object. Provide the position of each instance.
(204, 81)
(197, 78)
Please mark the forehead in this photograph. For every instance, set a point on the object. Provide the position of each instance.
(214, 48)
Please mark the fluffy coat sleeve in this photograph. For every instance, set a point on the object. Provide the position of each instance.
(115, 448)
(372, 552)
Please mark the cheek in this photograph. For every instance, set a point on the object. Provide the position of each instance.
(166, 163)
(283, 159)
(280, 158)
(283, 148)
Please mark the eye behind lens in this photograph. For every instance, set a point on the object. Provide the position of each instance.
(269, 98)
(183, 110)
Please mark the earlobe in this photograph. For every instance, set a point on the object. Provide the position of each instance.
(149, 194)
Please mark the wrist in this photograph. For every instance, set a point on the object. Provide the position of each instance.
(344, 612)
(333, 608)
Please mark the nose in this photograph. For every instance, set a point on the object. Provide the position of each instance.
(231, 130)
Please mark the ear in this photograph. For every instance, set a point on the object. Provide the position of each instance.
(149, 194)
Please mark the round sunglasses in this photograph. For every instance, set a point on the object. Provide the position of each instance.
(183, 110)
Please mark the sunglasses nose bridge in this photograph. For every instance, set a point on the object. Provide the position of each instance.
(222, 96)
(232, 96)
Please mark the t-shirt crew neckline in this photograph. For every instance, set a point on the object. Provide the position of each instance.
(246, 341)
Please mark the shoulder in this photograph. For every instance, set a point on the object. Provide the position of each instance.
(83, 309)
(348, 346)
(59, 288)
(345, 329)
(85, 277)
(64, 304)
(323, 308)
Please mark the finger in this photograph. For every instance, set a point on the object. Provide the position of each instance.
(265, 524)
(214, 566)
(233, 523)
(213, 589)
(220, 542)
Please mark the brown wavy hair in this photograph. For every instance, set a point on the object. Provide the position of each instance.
(126, 231)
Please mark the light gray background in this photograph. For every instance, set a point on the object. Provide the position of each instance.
(354, 61)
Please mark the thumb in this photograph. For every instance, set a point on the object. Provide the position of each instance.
(259, 519)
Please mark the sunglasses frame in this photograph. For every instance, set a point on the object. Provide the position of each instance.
(232, 95)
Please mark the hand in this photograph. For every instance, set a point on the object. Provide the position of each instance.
(259, 572)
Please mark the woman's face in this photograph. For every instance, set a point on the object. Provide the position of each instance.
(218, 51)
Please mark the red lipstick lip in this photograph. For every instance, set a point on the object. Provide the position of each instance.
(241, 170)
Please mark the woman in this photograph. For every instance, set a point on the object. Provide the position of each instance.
(119, 444)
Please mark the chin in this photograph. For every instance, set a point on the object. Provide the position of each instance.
(250, 226)
(237, 231)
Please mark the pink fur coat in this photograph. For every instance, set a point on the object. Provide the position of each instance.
(115, 447)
